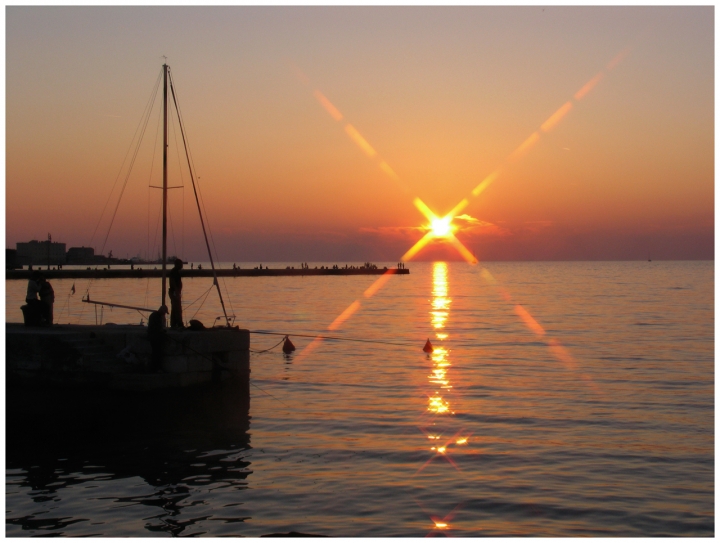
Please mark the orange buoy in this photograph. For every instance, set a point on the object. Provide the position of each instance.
(288, 346)
(428, 347)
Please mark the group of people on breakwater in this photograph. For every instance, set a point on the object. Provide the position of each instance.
(305, 266)
(365, 266)
(30, 267)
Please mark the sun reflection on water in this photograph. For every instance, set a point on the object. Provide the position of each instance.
(445, 442)
(439, 314)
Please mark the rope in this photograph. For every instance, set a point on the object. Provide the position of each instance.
(145, 112)
(127, 178)
(182, 183)
(196, 185)
(270, 349)
(147, 292)
(275, 398)
(196, 299)
(207, 293)
(334, 338)
(198, 197)
(150, 177)
(139, 133)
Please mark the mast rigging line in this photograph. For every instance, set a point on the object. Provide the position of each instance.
(197, 199)
(166, 77)
(205, 294)
(139, 134)
(181, 186)
(198, 196)
(127, 176)
(150, 177)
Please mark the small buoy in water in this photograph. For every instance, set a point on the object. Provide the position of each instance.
(288, 346)
(428, 347)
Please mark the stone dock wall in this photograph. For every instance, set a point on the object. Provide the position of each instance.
(118, 356)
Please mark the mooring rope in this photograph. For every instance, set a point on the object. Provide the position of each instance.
(266, 350)
(334, 338)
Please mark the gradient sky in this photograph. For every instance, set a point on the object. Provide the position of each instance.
(443, 97)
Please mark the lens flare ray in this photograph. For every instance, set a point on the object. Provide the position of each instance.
(530, 142)
(524, 147)
(558, 351)
(345, 315)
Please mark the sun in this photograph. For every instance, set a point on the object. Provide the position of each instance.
(441, 227)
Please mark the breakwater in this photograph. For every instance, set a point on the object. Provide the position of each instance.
(124, 273)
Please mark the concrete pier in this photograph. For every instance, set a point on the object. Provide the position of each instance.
(117, 357)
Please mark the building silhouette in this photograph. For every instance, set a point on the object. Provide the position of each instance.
(40, 253)
(80, 255)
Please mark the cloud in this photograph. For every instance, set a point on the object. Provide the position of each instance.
(468, 218)
(393, 230)
(482, 228)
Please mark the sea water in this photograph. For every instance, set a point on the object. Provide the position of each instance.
(561, 399)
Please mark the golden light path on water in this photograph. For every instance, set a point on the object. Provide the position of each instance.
(439, 405)
(440, 359)
(436, 422)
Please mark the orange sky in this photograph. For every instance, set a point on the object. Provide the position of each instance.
(442, 97)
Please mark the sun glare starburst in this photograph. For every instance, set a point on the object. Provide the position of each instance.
(441, 227)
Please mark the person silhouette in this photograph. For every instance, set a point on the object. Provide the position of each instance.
(35, 308)
(47, 298)
(175, 293)
(156, 333)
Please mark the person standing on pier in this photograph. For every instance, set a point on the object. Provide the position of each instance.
(34, 305)
(47, 297)
(33, 288)
(156, 333)
(175, 292)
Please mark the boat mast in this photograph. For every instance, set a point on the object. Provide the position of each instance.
(167, 76)
(164, 223)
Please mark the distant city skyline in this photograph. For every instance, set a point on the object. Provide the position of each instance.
(575, 133)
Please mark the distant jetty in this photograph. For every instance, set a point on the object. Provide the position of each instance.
(139, 273)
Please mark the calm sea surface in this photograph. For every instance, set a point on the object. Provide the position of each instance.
(562, 399)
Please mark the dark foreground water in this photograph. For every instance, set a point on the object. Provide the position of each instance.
(562, 399)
